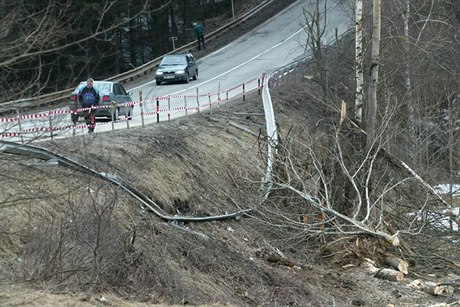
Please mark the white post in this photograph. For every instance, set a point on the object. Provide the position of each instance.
(210, 104)
(197, 100)
(126, 116)
(112, 110)
(169, 107)
(185, 104)
(20, 128)
(141, 103)
(51, 126)
(218, 95)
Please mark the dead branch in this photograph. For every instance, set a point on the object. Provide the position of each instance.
(391, 239)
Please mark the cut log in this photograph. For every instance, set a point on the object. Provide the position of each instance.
(436, 289)
(396, 263)
(432, 288)
(403, 244)
(388, 274)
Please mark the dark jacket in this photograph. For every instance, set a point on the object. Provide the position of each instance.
(88, 97)
(199, 29)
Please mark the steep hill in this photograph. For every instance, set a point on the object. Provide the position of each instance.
(202, 166)
(67, 238)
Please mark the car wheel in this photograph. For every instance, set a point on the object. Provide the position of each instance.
(187, 79)
(115, 114)
(74, 118)
(158, 82)
(195, 76)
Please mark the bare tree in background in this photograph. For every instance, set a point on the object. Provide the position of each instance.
(315, 27)
(41, 45)
(420, 74)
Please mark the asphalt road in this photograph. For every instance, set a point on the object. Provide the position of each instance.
(277, 42)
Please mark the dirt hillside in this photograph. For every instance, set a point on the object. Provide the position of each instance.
(69, 239)
(204, 165)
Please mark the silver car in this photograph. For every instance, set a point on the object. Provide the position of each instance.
(111, 94)
(176, 67)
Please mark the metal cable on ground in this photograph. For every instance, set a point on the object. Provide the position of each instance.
(45, 154)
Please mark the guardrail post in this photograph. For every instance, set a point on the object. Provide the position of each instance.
(20, 127)
(169, 108)
(158, 109)
(141, 104)
(244, 96)
(198, 100)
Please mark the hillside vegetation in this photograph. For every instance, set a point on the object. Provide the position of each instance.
(67, 238)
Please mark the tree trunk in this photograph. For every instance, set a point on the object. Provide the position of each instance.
(409, 101)
(359, 59)
(374, 74)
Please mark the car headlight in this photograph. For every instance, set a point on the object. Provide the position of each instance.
(180, 72)
(159, 73)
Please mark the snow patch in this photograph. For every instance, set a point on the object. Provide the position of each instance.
(443, 189)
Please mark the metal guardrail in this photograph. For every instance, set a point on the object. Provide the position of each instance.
(272, 133)
(130, 75)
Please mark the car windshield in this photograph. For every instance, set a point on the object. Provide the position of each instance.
(99, 86)
(174, 60)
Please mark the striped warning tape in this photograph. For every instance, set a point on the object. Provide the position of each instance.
(128, 104)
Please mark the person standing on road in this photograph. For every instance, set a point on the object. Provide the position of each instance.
(199, 33)
(89, 98)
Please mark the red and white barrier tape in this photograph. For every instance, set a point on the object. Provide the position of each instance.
(128, 104)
